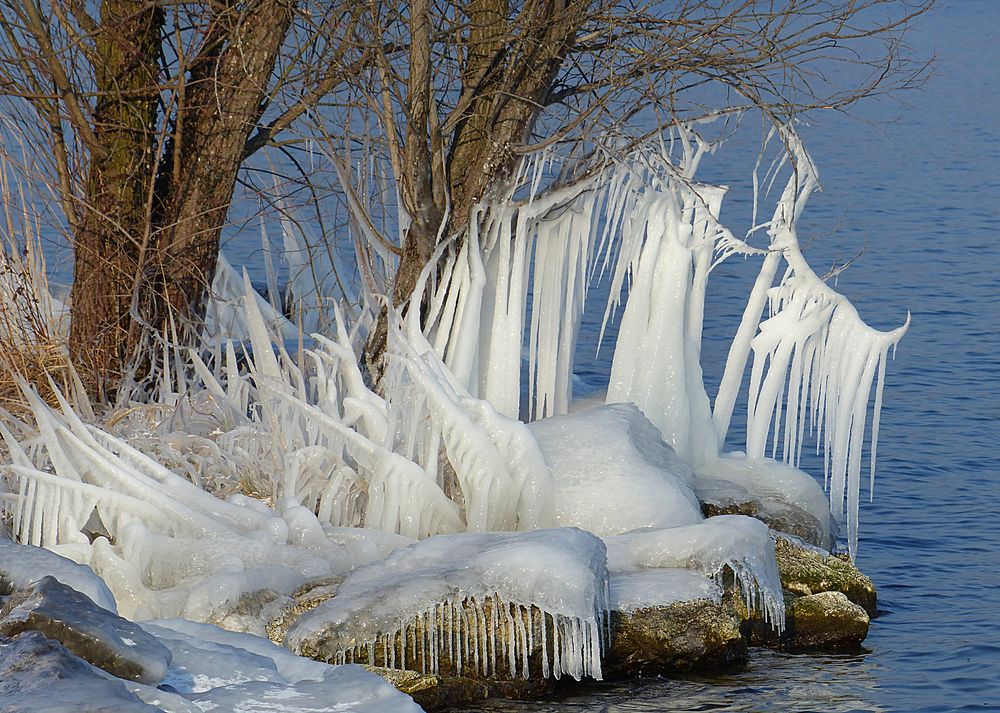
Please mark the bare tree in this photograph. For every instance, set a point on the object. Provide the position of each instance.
(149, 109)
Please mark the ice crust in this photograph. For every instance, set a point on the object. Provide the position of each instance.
(561, 572)
(734, 542)
(20, 565)
(219, 670)
(612, 472)
(660, 587)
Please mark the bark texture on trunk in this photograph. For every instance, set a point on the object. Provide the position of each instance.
(223, 103)
(114, 226)
(148, 241)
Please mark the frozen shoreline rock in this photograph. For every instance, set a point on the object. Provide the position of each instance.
(39, 674)
(806, 570)
(20, 565)
(96, 635)
(470, 605)
(782, 496)
(685, 636)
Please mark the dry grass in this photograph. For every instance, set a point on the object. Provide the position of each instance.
(32, 340)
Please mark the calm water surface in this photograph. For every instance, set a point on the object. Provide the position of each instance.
(926, 191)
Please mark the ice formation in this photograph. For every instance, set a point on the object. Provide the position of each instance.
(726, 542)
(660, 587)
(612, 472)
(814, 353)
(447, 597)
(266, 464)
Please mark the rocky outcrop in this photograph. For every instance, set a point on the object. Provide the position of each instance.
(683, 636)
(94, 634)
(808, 570)
(826, 621)
(40, 674)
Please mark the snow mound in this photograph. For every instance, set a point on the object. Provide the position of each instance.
(612, 472)
(439, 587)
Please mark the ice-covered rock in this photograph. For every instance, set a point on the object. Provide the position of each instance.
(438, 606)
(20, 565)
(661, 587)
(783, 496)
(713, 547)
(39, 675)
(682, 636)
(97, 635)
(612, 472)
(223, 670)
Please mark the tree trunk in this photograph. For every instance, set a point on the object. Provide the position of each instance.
(148, 244)
(113, 230)
(224, 99)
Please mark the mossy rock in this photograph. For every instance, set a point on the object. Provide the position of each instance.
(782, 517)
(827, 621)
(805, 571)
(433, 692)
(686, 636)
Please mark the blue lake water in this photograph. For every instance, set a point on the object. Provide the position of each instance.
(926, 191)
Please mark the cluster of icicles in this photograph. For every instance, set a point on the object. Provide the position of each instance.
(499, 638)
(443, 450)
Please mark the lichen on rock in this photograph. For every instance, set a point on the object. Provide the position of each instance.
(808, 570)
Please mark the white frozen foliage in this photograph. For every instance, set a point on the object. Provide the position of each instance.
(262, 466)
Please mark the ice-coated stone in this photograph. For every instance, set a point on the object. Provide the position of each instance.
(682, 636)
(612, 472)
(472, 604)
(97, 635)
(20, 565)
(786, 498)
(222, 670)
(40, 675)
